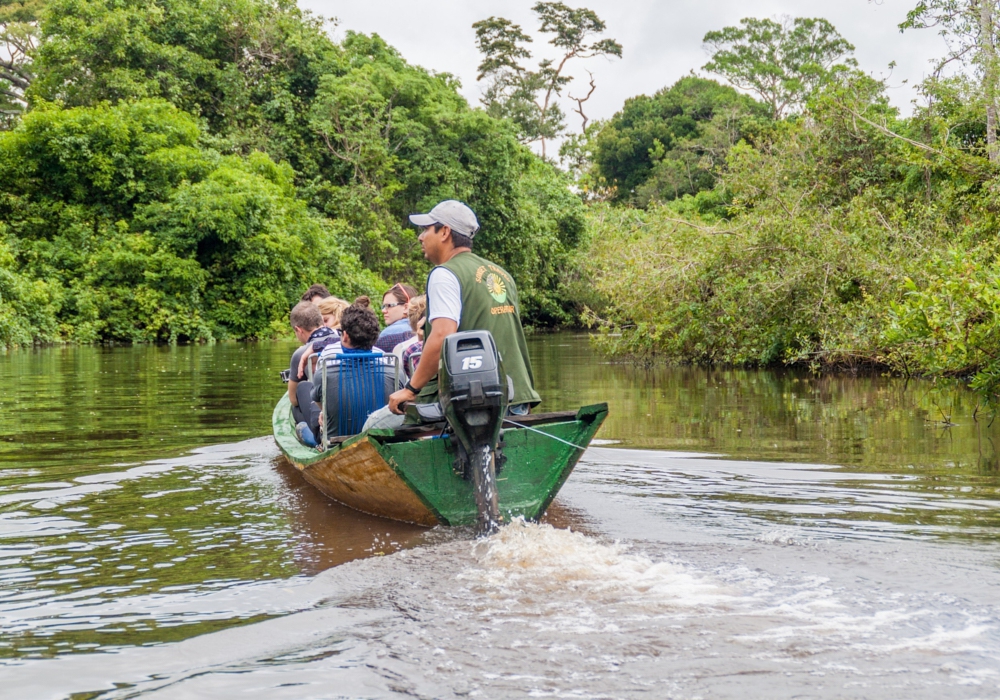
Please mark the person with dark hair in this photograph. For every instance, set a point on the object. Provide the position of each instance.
(395, 305)
(359, 325)
(466, 292)
(358, 332)
(307, 323)
(315, 293)
(330, 308)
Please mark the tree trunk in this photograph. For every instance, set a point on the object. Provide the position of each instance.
(988, 57)
(991, 133)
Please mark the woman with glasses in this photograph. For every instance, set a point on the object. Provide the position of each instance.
(395, 305)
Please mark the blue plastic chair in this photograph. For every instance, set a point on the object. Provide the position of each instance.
(360, 389)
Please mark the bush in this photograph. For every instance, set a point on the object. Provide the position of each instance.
(950, 324)
(823, 225)
(141, 234)
(370, 138)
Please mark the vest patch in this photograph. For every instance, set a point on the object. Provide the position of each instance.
(497, 310)
(496, 287)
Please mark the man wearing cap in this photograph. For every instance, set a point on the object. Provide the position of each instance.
(464, 293)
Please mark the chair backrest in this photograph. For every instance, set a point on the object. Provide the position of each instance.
(411, 362)
(361, 387)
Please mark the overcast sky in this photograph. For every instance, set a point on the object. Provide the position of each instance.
(661, 38)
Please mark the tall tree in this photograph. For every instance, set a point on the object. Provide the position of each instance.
(369, 139)
(18, 41)
(971, 30)
(528, 97)
(784, 63)
(662, 147)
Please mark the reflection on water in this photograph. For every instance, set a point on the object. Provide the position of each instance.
(143, 502)
(871, 422)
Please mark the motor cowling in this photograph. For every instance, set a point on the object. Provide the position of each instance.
(472, 388)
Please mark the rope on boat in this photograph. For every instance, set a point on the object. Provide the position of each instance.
(536, 430)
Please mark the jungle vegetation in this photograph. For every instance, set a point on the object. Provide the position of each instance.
(824, 228)
(182, 169)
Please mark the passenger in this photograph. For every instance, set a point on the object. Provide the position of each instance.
(331, 308)
(359, 330)
(395, 304)
(466, 292)
(410, 349)
(307, 323)
(315, 293)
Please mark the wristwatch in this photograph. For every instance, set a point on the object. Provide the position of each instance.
(410, 387)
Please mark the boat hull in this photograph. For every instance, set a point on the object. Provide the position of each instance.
(407, 474)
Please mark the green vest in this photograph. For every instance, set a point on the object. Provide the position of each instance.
(489, 303)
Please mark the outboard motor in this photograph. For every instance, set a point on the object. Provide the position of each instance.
(473, 390)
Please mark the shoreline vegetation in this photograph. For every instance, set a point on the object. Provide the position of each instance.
(832, 241)
(180, 171)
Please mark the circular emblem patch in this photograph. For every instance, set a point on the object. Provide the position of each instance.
(496, 288)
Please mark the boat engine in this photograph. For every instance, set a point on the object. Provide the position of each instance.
(473, 391)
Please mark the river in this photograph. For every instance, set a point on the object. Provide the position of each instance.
(731, 534)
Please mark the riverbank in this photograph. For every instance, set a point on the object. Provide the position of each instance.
(763, 290)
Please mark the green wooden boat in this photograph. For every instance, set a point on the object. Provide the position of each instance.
(407, 474)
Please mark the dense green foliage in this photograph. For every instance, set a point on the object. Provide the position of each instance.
(661, 147)
(140, 234)
(187, 168)
(782, 63)
(850, 238)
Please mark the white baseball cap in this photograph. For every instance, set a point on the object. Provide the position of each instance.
(453, 214)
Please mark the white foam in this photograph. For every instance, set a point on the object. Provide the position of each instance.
(530, 560)
(784, 536)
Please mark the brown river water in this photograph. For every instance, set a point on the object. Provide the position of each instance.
(731, 534)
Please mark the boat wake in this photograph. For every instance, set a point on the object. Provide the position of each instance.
(531, 561)
(534, 610)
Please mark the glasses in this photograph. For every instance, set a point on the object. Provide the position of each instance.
(389, 306)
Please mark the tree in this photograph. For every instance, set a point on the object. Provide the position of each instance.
(971, 29)
(783, 64)
(528, 97)
(668, 145)
(186, 165)
(142, 234)
(18, 41)
(400, 140)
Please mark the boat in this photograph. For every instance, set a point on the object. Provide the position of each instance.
(413, 474)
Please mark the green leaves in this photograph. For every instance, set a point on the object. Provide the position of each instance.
(572, 28)
(821, 228)
(500, 42)
(971, 30)
(662, 147)
(187, 165)
(528, 98)
(143, 235)
(783, 64)
(104, 156)
(950, 323)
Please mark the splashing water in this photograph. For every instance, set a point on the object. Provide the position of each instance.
(528, 559)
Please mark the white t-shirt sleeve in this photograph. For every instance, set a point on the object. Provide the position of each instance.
(444, 295)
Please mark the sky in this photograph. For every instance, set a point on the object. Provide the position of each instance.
(661, 39)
